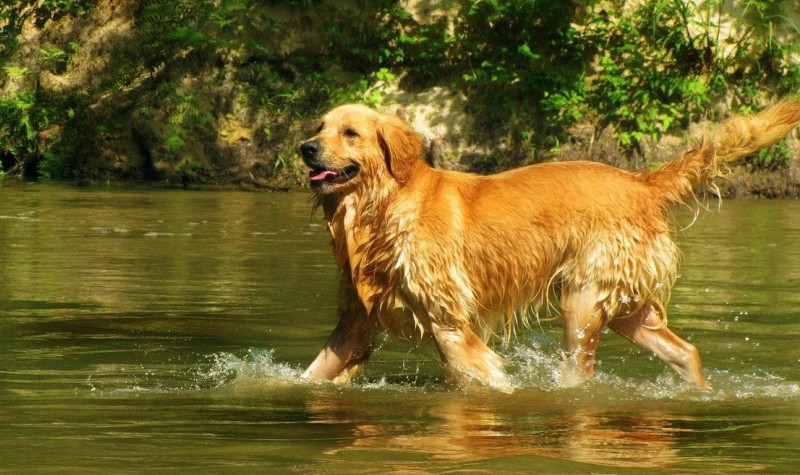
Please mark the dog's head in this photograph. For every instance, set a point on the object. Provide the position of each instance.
(355, 146)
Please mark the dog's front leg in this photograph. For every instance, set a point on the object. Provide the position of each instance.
(468, 361)
(351, 343)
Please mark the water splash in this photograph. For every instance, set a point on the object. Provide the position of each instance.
(535, 364)
(219, 370)
(257, 366)
(759, 385)
(538, 364)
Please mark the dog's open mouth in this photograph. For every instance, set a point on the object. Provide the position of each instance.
(319, 176)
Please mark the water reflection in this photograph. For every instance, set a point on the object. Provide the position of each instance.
(524, 428)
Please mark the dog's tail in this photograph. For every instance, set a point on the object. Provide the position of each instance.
(734, 139)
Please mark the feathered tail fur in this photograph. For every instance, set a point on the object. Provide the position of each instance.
(734, 139)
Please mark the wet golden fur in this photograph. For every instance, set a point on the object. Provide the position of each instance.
(452, 257)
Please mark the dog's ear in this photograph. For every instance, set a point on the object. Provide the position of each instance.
(401, 146)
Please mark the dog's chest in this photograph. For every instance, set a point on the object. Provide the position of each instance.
(384, 265)
(406, 275)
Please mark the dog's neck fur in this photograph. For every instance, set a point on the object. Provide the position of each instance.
(353, 220)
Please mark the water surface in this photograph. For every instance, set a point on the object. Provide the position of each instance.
(147, 330)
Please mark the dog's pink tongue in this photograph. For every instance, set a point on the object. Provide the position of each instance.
(324, 174)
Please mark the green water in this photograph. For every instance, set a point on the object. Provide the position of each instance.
(165, 331)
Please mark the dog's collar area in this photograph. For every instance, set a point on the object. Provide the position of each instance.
(319, 175)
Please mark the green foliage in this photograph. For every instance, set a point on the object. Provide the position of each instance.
(19, 125)
(57, 8)
(774, 158)
(13, 14)
(185, 116)
(659, 69)
(514, 55)
(22, 118)
(529, 68)
(55, 59)
(27, 115)
(15, 72)
(645, 84)
(647, 69)
(170, 27)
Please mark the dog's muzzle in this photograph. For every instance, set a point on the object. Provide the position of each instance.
(320, 174)
(310, 152)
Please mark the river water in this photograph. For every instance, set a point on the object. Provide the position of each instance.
(145, 330)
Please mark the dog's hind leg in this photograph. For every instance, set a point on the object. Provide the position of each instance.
(468, 360)
(582, 321)
(646, 329)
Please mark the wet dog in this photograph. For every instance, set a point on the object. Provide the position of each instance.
(453, 258)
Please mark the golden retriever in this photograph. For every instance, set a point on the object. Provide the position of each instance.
(453, 258)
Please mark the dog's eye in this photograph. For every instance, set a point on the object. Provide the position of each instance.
(319, 129)
(350, 133)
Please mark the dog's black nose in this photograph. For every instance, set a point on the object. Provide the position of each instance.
(310, 150)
